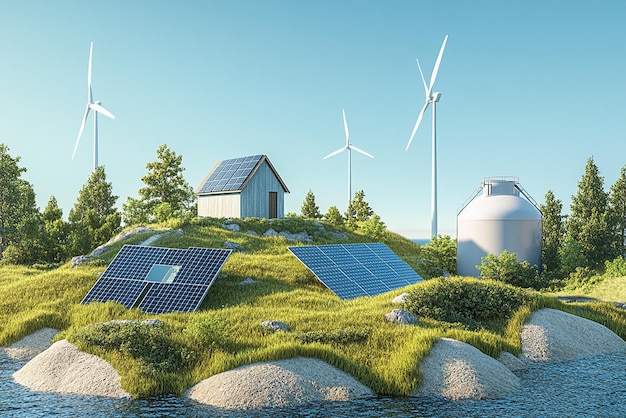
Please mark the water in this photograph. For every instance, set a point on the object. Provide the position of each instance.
(593, 387)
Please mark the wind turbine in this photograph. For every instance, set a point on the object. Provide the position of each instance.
(97, 108)
(348, 147)
(431, 97)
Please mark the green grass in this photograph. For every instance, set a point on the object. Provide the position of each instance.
(608, 290)
(225, 332)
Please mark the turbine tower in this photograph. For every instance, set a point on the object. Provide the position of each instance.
(431, 98)
(348, 147)
(97, 108)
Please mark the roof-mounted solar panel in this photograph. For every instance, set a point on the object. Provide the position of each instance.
(354, 270)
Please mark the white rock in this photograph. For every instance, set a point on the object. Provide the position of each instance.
(62, 368)
(283, 383)
(456, 370)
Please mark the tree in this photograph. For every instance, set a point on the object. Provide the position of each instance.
(617, 207)
(56, 232)
(440, 255)
(358, 210)
(309, 209)
(333, 216)
(27, 246)
(165, 184)
(552, 232)
(17, 200)
(589, 222)
(374, 228)
(93, 219)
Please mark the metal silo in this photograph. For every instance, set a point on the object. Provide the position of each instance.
(503, 217)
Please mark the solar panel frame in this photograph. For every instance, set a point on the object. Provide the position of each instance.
(125, 279)
(354, 270)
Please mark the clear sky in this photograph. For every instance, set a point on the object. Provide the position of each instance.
(529, 89)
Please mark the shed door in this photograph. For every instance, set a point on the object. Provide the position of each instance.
(273, 205)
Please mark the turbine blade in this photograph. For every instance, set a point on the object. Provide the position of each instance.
(89, 93)
(361, 151)
(345, 126)
(417, 124)
(80, 131)
(436, 69)
(422, 74)
(332, 154)
(98, 108)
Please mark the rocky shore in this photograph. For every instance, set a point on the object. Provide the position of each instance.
(452, 369)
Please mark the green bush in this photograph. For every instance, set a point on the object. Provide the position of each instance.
(470, 302)
(341, 336)
(507, 269)
(150, 344)
(615, 268)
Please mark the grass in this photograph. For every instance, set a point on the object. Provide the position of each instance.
(225, 332)
(608, 290)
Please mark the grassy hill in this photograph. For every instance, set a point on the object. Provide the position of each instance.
(225, 332)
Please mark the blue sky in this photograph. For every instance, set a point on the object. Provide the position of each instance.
(529, 89)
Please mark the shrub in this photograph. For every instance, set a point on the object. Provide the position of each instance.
(341, 336)
(615, 268)
(506, 268)
(471, 302)
(150, 344)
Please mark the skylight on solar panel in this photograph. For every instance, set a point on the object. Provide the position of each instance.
(159, 280)
(353, 270)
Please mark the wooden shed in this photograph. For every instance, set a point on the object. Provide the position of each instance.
(242, 188)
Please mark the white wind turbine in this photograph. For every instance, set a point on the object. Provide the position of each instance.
(431, 97)
(348, 147)
(97, 108)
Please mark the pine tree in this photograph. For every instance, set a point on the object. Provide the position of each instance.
(589, 223)
(166, 194)
(56, 232)
(309, 209)
(553, 231)
(617, 205)
(93, 219)
(358, 209)
(333, 216)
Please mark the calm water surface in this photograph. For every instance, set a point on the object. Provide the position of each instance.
(594, 387)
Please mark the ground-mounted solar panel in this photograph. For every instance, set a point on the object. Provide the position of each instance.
(159, 280)
(353, 270)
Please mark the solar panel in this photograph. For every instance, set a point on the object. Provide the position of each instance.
(159, 280)
(229, 175)
(353, 270)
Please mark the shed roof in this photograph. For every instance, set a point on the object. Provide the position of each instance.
(232, 176)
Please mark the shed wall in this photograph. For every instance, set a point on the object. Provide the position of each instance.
(255, 195)
(220, 206)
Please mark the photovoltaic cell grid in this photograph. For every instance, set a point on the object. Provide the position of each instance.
(124, 280)
(353, 270)
(229, 175)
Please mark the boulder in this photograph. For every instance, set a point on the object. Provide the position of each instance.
(553, 335)
(231, 226)
(400, 299)
(284, 383)
(456, 370)
(274, 326)
(400, 316)
(62, 368)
